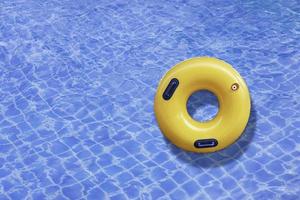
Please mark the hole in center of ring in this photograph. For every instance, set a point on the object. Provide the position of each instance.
(203, 105)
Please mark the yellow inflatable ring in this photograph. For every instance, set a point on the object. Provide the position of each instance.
(180, 83)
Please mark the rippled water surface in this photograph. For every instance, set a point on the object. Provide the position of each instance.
(77, 83)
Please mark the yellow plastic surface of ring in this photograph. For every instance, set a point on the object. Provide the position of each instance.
(203, 73)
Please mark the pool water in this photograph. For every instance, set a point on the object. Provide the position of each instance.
(77, 84)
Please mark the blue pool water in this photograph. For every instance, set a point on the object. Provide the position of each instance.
(77, 83)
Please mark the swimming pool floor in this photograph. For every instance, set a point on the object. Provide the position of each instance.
(77, 83)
